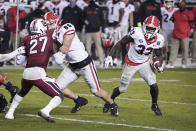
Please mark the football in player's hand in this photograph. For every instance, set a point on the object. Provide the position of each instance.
(157, 63)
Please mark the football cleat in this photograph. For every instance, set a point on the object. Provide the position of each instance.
(13, 92)
(106, 107)
(156, 110)
(79, 102)
(46, 117)
(114, 109)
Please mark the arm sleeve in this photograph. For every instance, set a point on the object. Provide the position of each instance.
(5, 57)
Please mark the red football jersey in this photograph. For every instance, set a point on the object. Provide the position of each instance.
(38, 49)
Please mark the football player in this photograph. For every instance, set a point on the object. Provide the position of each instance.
(114, 17)
(38, 47)
(143, 41)
(56, 6)
(80, 64)
(4, 7)
(53, 23)
(167, 24)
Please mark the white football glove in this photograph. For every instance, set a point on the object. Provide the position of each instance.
(160, 69)
(108, 61)
(21, 50)
(20, 59)
(59, 57)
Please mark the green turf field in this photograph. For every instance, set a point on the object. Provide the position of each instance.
(177, 100)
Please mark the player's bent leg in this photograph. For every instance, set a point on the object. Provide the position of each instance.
(79, 102)
(54, 102)
(16, 101)
(115, 93)
(112, 105)
(26, 86)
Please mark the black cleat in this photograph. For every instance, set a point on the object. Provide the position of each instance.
(79, 102)
(13, 91)
(156, 110)
(106, 107)
(114, 109)
(46, 117)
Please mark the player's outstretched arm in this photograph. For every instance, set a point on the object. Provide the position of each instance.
(5, 57)
(108, 60)
(125, 40)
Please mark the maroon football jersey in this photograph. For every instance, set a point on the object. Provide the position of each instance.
(38, 49)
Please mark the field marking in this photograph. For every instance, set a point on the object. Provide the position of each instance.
(142, 100)
(129, 99)
(104, 123)
(133, 80)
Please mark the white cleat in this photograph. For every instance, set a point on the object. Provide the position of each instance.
(9, 116)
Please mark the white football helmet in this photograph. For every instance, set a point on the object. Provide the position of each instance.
(38, 26)
(169, 3)
(151, 26)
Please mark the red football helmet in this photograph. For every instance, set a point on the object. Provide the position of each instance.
(107, 39)
(52, 19)
(151, 26)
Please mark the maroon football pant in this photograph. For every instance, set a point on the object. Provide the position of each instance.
(49, 88)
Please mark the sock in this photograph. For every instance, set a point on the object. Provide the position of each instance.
(115, 92)
(54, 102)
(16, 101)
(154, 93)
(76, 99)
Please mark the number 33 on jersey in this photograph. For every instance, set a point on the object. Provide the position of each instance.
(140, 50)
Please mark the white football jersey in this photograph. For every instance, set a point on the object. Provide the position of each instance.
(167, 20)
(140, 50)
(77, 52)
(58, 9)
(3, 10)
(127, 10)
(113, 10)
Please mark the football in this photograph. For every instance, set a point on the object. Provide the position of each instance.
(157, 62)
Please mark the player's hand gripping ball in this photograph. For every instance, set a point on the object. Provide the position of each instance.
(157, 64)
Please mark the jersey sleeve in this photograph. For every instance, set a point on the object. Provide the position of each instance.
(66, 29)
(133, 32)
(160, 42)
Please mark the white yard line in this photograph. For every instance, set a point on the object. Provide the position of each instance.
(105, 123)
(142, 100)
(129, 99)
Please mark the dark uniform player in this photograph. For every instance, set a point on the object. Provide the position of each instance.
(39, 47)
